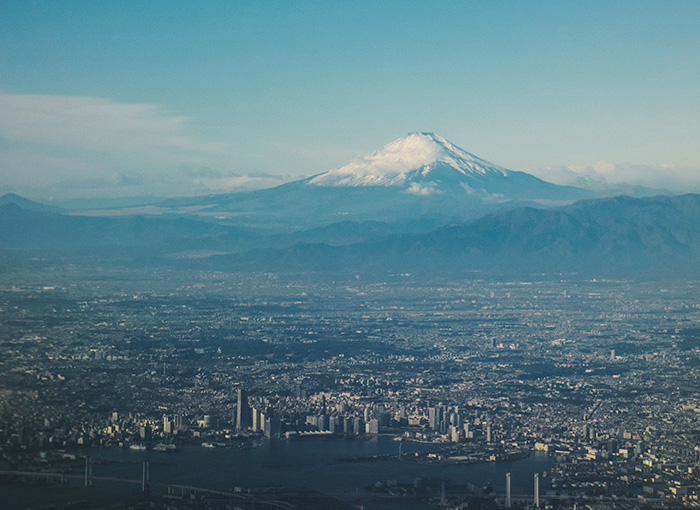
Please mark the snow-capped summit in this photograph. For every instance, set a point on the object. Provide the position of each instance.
(414, 161)
(421, 177)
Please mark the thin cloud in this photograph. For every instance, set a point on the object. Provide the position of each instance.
(607, 174)
(93, 123)
(70, 144)
(244, 182)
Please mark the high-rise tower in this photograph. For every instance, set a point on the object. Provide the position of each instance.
(242, 410)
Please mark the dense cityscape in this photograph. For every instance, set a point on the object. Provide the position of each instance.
(600, 378)
(394, 255)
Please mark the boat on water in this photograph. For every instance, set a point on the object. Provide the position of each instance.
(162, 447)
(208, 445)
(138, 447)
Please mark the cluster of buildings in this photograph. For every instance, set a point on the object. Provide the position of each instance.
(600, 376)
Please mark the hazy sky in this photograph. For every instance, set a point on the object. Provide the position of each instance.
(125, 98)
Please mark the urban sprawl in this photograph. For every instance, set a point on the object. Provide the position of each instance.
(601, 376)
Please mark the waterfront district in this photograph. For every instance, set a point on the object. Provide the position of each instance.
(601, 376)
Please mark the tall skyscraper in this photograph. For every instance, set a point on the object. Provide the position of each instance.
(537, 490)
(242, 410)
(374, 426)
(167, 425)
(256, 420)
(358, 425)
(273, 426)
(435, 417)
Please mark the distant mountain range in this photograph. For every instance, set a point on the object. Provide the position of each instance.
(419, 205)
(26, 204)
(630, 237)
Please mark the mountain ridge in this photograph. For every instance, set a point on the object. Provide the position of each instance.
(653, 236)
(26, 204)
(612, 237)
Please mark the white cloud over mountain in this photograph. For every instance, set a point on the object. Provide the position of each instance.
(605, 173)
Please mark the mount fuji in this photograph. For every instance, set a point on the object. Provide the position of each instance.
(421, 176)
(413, 161)
(426, 163)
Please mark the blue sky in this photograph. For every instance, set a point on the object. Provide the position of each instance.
(124, 98)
